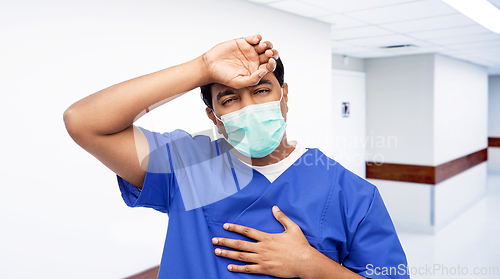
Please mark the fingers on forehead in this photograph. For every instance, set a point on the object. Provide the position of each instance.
(262, 47)
(271, 65)
(263, 58)
(253, 39)
(269, 44)
(273, 53)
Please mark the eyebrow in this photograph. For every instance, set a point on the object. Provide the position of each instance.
(224, 93)
(230, 92)
(263, 81)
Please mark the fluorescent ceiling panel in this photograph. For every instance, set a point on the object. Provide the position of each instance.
(339, 21)
(342, 6)
(403, 12)
(481, 11)
(300, 8)
(359, 32)
(449, 32)
(425, 24)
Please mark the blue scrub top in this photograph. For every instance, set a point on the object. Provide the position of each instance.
(201, 185)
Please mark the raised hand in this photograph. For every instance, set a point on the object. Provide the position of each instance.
(241, 62)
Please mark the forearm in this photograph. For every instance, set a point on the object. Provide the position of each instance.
(115, 108)
(317, 266)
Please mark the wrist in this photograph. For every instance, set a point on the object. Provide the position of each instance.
(316, 265)
(310, 260)
(202, 64)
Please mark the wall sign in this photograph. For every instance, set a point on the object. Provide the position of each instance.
(346, 111)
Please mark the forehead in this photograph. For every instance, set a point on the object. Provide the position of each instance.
(217, 87)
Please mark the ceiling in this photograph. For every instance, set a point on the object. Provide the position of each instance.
(359, 28)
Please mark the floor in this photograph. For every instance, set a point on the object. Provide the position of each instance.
(467, 247)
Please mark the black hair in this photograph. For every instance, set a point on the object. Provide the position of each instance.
(206, 90)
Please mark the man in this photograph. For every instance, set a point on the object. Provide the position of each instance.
(219, 192)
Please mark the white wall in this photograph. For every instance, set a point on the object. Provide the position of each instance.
(61, 212)
(494, 122)
(399, 112)
(429, 208)
(494, 159)
(460, 128)
(399, 119)
(494, 106)
(460, 109)
(437, 108)
(349, 133)
(456, 194)
(409, 204)
(340, 62)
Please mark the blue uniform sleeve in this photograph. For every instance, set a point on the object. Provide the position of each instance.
(375, 250)
(159, 184)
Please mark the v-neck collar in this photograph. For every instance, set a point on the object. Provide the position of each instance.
(273, 171)
(231, 208)
(270, 172)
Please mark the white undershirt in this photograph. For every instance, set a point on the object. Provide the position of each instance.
(273, 171)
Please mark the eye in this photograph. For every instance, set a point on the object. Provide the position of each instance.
(227, 101)
(262, 91)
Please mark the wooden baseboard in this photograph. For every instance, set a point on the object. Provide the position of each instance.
(425, 174)
(400, 172)
(454, 167)
(494, 142)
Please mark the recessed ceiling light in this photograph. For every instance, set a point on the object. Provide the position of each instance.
(481, 11)
(400, 48)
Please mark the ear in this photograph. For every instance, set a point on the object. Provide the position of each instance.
(210, 114)
(285, 94)
(220, 128)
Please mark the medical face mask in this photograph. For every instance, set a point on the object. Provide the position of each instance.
(255, 130)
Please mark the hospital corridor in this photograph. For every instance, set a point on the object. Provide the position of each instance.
(133, 131)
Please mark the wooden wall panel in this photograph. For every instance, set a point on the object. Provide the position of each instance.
(425, 174)
(494, 142)
(454, 167)
(400, 172)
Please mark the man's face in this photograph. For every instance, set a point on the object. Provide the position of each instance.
(226, 99)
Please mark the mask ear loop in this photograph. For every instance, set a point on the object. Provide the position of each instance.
(216, 116)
